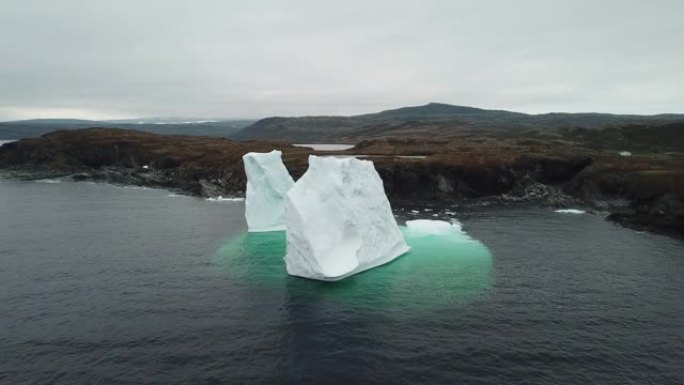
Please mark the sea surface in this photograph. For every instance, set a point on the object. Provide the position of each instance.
(102, 284)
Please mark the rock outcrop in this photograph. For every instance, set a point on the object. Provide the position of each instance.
(642, 191)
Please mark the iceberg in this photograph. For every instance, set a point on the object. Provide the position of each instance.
(267, 183)
(339, 221)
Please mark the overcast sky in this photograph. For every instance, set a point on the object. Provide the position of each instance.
(250, 59)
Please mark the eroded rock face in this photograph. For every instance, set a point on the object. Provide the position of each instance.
(339, 221)
(537, 171)
(267, 183)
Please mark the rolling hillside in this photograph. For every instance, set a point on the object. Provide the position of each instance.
(433, 119)
(38, 127)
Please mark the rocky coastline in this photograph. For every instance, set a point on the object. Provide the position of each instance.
(638, 192)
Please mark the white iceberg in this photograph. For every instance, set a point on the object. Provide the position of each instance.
(430, 226)
(339, 221)
(267, 183)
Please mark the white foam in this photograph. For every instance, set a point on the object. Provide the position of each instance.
(172, 195)
(570, 211)
(227, 199)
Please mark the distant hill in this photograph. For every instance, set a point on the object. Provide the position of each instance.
(37, 127)
(433, 119)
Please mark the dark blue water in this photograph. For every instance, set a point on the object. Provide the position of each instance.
(109, 285)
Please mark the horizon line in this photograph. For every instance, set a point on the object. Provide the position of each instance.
(215, 119)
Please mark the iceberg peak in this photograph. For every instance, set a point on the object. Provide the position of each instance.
(339, 221)
(267, 183)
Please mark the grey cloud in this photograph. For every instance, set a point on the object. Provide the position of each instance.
(253, 59)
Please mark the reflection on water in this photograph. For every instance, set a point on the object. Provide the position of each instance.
(439, 270)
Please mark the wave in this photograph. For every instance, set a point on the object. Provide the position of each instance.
(172, 195)
(49, 181)
(228, 199)
(570, 211)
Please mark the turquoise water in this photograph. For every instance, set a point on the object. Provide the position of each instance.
(440, 270)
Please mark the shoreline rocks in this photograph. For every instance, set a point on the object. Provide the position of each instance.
(640, 193)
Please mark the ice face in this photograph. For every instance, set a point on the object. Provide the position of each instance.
(430, 226)
(267, 183)
(339, 221)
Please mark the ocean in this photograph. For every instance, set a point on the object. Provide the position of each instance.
(125, 285)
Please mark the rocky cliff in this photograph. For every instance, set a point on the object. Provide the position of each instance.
(645, 192)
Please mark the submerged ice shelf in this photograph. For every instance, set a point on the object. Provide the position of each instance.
(439, 270)
(267, 183)
(432, 226)
(339, 221)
